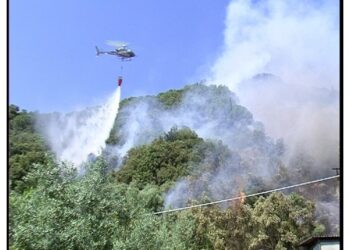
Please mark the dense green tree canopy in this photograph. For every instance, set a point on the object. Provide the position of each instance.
(26, 146)
(54, 205)
(69, 211)
(165, 159)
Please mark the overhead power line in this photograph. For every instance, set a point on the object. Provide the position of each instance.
(249, 195)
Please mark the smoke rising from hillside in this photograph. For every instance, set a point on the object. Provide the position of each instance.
(281, 59)
(74, 136)
(202, 109)
(297, 43)
(240, 154)
(295, 40)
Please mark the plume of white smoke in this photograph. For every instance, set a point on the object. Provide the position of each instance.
(295, 40)
(204, 111)
(239, 148)
(297, 43)
(74, 136)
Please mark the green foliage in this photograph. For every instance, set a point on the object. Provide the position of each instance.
(26, 146)
(275, 222)
(67, 211)
(211, 103)
(20, 120)
(54, 206)
(171, 98)
(176, 232)
(281, 221)
(13, 111)
(165, 159)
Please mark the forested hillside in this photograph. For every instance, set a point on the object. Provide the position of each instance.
(179, 148)
(26, 146)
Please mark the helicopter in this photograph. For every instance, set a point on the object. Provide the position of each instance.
(121, 51)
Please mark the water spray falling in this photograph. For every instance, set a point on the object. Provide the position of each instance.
(75, 136)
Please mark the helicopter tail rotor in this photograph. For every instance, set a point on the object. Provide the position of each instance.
(98, 52)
